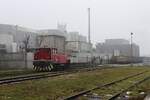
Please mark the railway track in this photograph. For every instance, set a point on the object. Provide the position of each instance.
(119, 95)
(80, 94)
(28, 77)
(21, 78)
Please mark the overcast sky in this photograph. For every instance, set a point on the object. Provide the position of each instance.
(109, 18)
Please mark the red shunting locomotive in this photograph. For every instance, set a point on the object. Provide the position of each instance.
(47, 59)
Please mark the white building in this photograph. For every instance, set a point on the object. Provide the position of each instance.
(74, 41)
(77, 42)
(52, 38)
(15, 47)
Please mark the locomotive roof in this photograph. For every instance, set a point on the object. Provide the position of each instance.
(42, 48)
(52, 32)
(32, 49)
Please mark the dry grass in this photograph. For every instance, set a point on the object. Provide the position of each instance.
(59, 87)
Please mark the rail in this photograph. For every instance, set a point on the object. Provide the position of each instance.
(45, 75)
(73, 97)
(135, 84)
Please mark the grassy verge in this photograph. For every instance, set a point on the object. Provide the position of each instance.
(59, 87)
(106, 92)
(140, 91)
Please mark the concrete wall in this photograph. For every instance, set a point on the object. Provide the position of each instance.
(12, 60)
(15, 60)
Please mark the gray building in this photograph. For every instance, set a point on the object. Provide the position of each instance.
(116, 41)
(118, 47)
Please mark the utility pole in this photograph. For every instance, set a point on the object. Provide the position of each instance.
(89, 35)
(131, 49)
(89, 26)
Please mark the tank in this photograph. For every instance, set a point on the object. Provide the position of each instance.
(7, 39)
(14, 47)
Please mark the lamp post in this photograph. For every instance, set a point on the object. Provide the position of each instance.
(131, 49)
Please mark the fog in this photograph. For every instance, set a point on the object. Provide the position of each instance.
(109, 18)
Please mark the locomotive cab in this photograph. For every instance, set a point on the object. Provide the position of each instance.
(47, 59)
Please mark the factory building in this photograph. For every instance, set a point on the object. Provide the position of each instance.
(76, 43)
(70, 41)
(77, 47)
(116, 41)
(118, 47)
(52, 39)
(19, 34)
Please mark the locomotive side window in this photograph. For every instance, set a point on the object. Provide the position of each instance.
(54, 51)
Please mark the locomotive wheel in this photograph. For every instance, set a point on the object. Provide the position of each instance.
(37, 68)
(34, 67)
(46, 68)
(50, 67)
(43, 67)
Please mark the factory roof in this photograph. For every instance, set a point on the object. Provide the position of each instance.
(51, 32)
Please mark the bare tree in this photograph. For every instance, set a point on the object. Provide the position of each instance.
(26, 46)
(39, 41)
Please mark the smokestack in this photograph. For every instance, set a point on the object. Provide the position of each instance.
(89, 27)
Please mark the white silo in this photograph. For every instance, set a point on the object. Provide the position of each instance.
(14, 47)
(7, 40)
